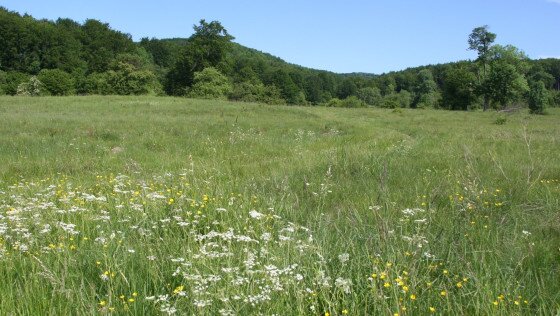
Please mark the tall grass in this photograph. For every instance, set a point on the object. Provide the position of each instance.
(146, 205)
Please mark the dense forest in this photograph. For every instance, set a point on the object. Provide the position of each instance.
(64, 57)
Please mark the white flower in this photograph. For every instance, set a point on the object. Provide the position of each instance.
(344, 258)
(255, 214)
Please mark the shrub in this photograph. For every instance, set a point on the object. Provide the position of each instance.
(256, 92)
(32, 88)
(402, 99)
(13, 80)
(56, 82)
(369, 95)
(3, 81)
(98, 83)
(538, 98)
(209, 84)
(350, 102)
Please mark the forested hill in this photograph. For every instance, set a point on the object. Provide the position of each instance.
(43, 57)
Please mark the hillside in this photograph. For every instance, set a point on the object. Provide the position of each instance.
(67, 57)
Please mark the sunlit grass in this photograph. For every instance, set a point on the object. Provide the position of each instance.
(128, 205)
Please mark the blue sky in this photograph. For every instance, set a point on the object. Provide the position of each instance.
(341, 36)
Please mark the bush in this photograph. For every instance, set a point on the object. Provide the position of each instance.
(350, 102)
(209, 84)
(3, 81)
(429, 100)
(538, 98)
(31, 88)
(56, 82)
(554, 98)
(369, 95)
(13, 80)
(98, 83)
(402, 99)
(256, 92)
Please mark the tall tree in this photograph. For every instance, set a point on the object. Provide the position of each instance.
(480, 40)
(207, 47)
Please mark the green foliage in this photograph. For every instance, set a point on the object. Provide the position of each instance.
(129, 76)
(403, 99)
(538, 98)
(56, 82)
(350, 102)
(32, 88)
(209, 84)
(207, 47)
(369, 95)
(256, 92)
(98, 83)
(3, 81)
(500, 120)
(505, 84)
(427, 94)
(481, 40)
(12, 80)
(458, 91)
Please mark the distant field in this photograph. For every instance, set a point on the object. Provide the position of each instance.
(149, 205)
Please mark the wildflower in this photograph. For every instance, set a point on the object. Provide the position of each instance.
(131, 300)
(516, 303)
(459, 285)
(432, 309)
(344, 312)
(405, 288)
(495, 303)
(374, 275)
(413, 297)
(387, 284)
(443, 293)
(327, 314)
(102, 303)
(445, 272)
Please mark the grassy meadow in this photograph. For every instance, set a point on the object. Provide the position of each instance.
(160, 205)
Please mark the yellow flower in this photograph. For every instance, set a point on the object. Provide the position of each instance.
(327, 314)
(516, 303)
(413, 297)
(131, 300)
(495, 303)
(345, 312)
(387, 284)
(405, 288)
(459, 284)
(178, 289)
(432, 309)
(134, 294)
(102, 303)
(374, 275)
(445, 272)
(443, 293)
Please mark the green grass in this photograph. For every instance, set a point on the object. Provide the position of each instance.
(449, 208)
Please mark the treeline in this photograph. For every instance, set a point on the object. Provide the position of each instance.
(63, 57)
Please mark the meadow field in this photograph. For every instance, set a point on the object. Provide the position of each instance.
(160, 205)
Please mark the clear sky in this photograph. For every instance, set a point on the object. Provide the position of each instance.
(340, 36)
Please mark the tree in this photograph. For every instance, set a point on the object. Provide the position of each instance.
(481, 40)
(504, 84)
(458, 92)
(427, 94)
(56, 81)
(538, 98)
(207, 47)
(209, 84)
(31, 88)
(369, 95)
